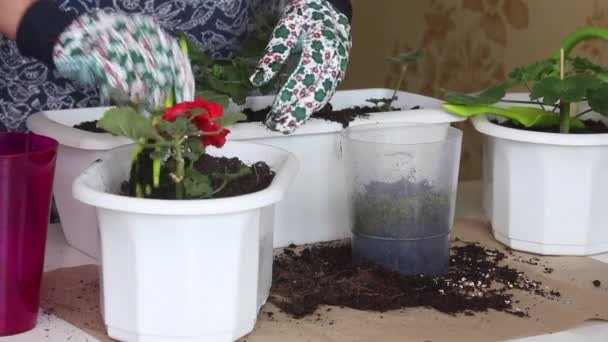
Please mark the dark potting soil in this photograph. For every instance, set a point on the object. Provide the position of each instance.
(259, 177)
(343, 116)
(325, 274)
(90, 126)
(403, 226)
(591, 127)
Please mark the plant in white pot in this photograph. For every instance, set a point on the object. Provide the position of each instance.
(186, 226)
(316, 207)
(545, 154)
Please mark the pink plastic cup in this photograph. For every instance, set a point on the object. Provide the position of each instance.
(27, 167)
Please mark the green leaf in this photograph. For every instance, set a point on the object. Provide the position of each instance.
(177, 128)
(489, 96)
(196, 184)
(598, 99)
(536, 71)
(193, 148)
(571, 89)
(212, 96)
(125, 121)
(407, 57)
(526, 116)
(582, 65)
(230, 118)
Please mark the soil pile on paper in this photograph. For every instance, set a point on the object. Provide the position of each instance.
(325, 275)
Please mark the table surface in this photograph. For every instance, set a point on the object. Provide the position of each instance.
(58, 254)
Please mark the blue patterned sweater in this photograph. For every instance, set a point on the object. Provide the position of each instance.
(28, 86)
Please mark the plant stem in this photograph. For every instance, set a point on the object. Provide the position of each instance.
(564, 122)
(583, 113)
(179, 172)
(576, 37)
(538, 101)
(387, 105)
(564, 107)
(524, 102)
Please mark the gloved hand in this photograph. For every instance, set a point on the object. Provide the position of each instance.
(321, 33)
(128, 56)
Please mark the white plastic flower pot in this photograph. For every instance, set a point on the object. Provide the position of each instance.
(316, 206)
(77, 150)
(191, 270)
(544, 192)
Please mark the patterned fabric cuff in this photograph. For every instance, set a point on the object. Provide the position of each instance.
(39, 29)
(343, 6)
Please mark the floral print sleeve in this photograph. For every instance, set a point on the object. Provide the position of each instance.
(28, 86)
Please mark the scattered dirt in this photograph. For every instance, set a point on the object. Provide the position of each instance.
(597, 283)
(259, 177)
(325, 275)
(591, 127)
(344, 116)
(90, 126)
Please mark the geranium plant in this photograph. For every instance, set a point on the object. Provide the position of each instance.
(169, 142)
(556, 84)
(403, 60)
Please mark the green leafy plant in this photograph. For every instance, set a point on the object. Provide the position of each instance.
(403, 60)
(556, 84)
(172, 140)
(225, 79)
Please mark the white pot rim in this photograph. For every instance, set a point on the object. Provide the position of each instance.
(485, 126)
(43, 124)
(84, 191)
(72, 137)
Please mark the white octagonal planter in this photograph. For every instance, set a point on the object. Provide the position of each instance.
(544, 192)
(192, 270)
(314, 209)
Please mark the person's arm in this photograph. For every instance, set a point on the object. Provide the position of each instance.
(11, 12)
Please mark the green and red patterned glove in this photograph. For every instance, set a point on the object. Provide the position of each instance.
(129, 57)
(321, 34)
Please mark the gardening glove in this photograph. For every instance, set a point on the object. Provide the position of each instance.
(128, 57)
(320, 34)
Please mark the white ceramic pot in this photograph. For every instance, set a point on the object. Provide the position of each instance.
(544, 192)
(77, 150)
(193, 270)
(315, 208)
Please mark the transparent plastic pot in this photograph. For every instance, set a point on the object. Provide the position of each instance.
(401, 182)
(27, 166)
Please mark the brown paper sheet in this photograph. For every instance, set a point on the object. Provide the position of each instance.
(73, 295)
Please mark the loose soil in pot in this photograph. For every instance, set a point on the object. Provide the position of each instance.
(90, 126)
(343, 116)
(403, 226)
(591, 127)
(324, 274)
(259, 177)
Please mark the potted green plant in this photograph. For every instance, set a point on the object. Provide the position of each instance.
(545, 151)
(186, 223)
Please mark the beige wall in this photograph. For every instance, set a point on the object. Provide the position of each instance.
(469, 44)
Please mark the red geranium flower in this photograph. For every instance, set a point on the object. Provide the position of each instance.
(203, 121)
